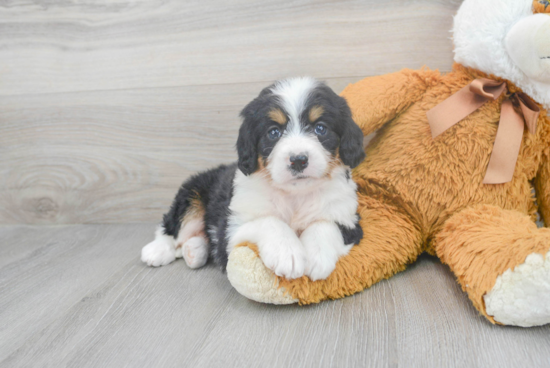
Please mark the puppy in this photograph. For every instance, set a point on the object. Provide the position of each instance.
(290, 192)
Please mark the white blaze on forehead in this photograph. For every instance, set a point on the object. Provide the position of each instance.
(279, 160)
(293, 94)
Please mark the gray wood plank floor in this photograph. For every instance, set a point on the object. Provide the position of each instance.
(107, 106)
(78, 296)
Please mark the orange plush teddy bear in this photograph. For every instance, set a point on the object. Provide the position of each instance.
(451, 172)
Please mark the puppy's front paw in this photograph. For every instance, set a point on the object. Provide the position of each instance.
(324, 245)
(280, 249)
(158, 253)
(319, 265)
(285, 257)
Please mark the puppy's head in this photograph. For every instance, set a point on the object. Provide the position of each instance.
(298, 130)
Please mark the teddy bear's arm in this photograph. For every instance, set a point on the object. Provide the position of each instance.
(542, 186)
(377, 100)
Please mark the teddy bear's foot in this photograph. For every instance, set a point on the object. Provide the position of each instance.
(250, 277)
(502, 260)
(522, 297)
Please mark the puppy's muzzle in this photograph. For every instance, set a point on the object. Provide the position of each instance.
(298, 163)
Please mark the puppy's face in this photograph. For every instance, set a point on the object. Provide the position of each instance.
(297, 131)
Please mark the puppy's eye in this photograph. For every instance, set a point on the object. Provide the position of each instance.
(274, 133)
(320, 129)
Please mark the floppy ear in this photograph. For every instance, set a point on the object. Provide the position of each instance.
(351, 140)
(247, 141)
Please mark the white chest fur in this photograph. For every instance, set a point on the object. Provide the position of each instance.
(333, 200)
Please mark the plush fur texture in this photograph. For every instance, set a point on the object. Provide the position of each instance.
(481, 31)
(420, 194)
(417, 194)
(522, 297)
(290, 192)
(481, 243)
(254, 283)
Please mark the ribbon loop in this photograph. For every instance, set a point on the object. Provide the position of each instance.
(487, 88)
(530, 111)
(506, 148)
(463, 103)
(510, 129)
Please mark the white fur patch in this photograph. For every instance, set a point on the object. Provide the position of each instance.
(195, 251)
(272, 217)
(191, 244)
(189, 229)
(522, 297)
(324, 244)
(480, 32)
(279, 247)
(300, 144)
(160, 251)
(293, 94)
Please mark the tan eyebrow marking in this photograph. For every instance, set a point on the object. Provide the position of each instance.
(541, 6)
(315, 113)
(277, 116)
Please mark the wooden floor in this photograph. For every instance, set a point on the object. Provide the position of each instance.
(78, 296)
(107, 106)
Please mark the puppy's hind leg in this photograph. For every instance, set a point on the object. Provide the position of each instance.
(184, 222)
(192, 243)
(195, 251)
(160, 251)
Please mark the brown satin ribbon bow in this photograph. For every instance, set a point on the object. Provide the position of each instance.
(510, 129)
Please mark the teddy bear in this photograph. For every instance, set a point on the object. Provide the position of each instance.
(459, 168)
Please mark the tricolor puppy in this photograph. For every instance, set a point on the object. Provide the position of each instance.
(290, 192)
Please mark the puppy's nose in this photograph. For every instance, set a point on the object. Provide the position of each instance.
(298, 163)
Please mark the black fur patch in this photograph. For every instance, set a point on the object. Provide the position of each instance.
(214, 188)
(253, 142)
(343, 133)
(352, 235)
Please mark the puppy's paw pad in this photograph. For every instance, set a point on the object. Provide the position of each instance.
(158, 253)
(195, 252)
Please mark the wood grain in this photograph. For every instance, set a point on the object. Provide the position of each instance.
(112, 157)
(107, 107)
(66, 46)
(83, 299)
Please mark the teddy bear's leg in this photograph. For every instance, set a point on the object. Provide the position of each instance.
(502, 260)
(391, 241)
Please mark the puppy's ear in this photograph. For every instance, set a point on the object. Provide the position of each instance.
(247, 142)
(351, 140)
